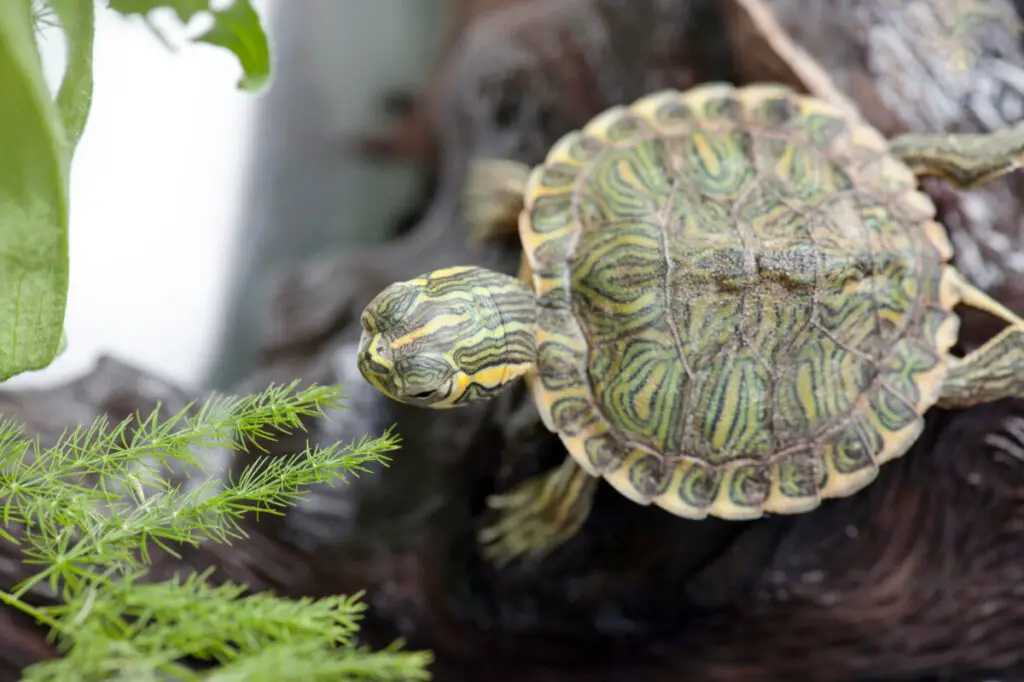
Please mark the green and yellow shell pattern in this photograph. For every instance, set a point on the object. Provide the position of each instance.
(735, 300)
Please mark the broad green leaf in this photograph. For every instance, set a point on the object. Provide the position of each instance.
(34, 167)
(185, 9)
(74, 98)
(236, 28)
(62, 345)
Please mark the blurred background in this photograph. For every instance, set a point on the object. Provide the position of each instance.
(179, 170)
(189, 198)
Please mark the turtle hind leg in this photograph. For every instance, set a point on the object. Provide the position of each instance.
(493, 197)
(965, 159)
(539, 514)
(994, 371)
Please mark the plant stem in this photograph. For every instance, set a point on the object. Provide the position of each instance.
(30, 610)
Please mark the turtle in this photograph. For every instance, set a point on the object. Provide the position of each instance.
(733, 301)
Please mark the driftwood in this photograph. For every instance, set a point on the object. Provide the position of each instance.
(866, 588)
(917, 578)
(884, 585)
(411, 136)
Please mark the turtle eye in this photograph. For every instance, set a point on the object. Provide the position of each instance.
(422, 395)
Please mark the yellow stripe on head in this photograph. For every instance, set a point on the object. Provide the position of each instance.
(450, 337)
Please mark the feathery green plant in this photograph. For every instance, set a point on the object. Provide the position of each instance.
(89, 512)
(91, 509)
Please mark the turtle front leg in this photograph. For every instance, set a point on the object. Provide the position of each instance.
(539, 514)
(994, 371)
(493, 198)
(965, 159)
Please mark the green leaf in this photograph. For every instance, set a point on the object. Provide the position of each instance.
(74, 98)
(185, 9)
(236, 28)
(34, 169)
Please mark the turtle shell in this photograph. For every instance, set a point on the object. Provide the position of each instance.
(743, 299)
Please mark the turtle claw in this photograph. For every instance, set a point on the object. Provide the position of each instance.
(538, 515)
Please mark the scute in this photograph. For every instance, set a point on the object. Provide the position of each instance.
(741, 300)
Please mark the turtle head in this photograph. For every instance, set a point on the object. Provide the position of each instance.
(450, 337)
